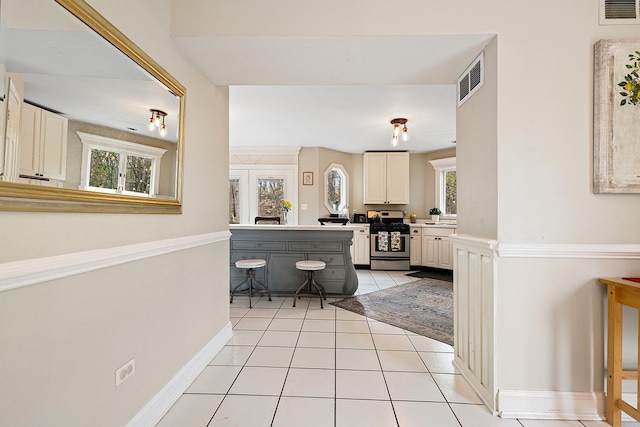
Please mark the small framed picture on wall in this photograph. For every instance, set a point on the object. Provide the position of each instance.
(307, 178)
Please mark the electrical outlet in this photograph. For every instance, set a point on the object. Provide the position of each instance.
(304, 206)
(125, 371)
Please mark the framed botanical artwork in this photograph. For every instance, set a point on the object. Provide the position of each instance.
(307, 178)
(616, 121)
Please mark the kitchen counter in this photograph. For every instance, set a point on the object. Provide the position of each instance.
(432, 225)
(349, 226)
(282, 245)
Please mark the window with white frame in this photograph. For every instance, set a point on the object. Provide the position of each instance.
(446, 186)
(114, 166)
(256, 190)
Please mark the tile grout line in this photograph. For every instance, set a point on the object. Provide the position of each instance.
(384, 378)
(295, 347)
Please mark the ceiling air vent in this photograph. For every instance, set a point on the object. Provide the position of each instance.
(616, 12)
(471, 80)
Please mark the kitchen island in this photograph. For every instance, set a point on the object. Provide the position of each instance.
(282, 245)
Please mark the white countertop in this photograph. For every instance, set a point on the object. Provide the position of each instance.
(334, 227)
(348, 226)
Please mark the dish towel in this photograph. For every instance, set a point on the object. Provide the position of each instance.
(395, 241)
(383, 241)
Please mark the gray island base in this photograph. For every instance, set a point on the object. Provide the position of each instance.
(281, 246)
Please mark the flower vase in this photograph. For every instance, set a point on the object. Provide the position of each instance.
(285, 218)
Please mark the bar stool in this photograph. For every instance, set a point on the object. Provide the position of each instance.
(310, 284)
(250, 265)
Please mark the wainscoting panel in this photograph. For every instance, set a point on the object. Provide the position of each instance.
(474, 314)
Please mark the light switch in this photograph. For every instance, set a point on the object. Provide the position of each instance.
(304, 206)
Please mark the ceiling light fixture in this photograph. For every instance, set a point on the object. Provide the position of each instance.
(396, 130)
(157, 121)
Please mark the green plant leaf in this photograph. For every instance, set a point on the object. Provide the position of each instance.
(623, 102)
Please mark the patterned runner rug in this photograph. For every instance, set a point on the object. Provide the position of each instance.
(424, 307)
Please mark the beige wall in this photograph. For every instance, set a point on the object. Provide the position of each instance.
(524, 156)
(62, 340)
(317, 160)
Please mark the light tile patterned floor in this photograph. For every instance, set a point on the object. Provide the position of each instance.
(303, 366)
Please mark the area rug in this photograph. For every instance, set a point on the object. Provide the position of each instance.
(424, 307)
(433, 274)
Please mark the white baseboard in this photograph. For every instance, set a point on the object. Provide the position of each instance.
(587, 406)
(155, 409)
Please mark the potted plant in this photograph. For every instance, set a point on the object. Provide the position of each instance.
(435, 214)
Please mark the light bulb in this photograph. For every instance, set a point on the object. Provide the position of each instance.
(394, 140)
(396, 131)
(151, 124)
(405, 133)
(156, 120)
(163, 130)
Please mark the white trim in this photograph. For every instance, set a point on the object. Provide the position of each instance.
(18, 274)
(559, 250)
(160, 404)
(265, 150)
(442, 166)
(547, 405)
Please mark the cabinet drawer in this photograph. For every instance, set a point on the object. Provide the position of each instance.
(330, 274)
(416, 231)
(329, 259)
(437, 231)
(236, 256)
(249, 244)
(315, 246)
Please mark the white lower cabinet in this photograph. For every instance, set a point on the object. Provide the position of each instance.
(360, 250)
(415, 251)
(42, 144)
(437, 250)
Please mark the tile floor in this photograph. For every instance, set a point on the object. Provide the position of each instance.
(307, 367)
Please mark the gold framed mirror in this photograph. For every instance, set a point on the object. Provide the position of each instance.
(90, 122)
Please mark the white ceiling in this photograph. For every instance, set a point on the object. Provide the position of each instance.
(337, 92)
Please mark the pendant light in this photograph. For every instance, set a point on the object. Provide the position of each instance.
(157, 121)
(396, 130)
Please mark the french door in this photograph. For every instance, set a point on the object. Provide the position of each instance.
(258, 192)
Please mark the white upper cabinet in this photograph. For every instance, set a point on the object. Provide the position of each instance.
(386, 178)
(42, 143)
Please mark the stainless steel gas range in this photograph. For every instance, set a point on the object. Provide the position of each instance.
(390, 238)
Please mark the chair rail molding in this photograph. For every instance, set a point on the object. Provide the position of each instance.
(564, 250)
(18, 274)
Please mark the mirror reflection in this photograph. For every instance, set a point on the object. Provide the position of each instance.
(81, 114)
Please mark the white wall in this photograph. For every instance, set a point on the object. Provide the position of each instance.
(63, 339)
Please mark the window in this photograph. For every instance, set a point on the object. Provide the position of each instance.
(336, 181)
(446, 186)
(257, 191)
(114, 166)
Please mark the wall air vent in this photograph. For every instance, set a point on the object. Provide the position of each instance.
(617, 12)
(471, 80)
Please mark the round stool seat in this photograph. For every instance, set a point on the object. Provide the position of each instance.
(250, 263)
(310, 265)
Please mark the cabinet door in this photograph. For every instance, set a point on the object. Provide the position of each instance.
(446, 253)
(430, 251)
(361, 246)
(398, 178)
(53, 145)
(375, 178)
(416, 250)
(29, 141)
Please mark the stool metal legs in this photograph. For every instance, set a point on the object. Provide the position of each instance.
(310, 284)
(252, 279)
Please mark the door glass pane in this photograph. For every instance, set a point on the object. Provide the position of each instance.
(138, 174)
(234, 201)
(450, 193)
(103, 171)
(270, 192)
